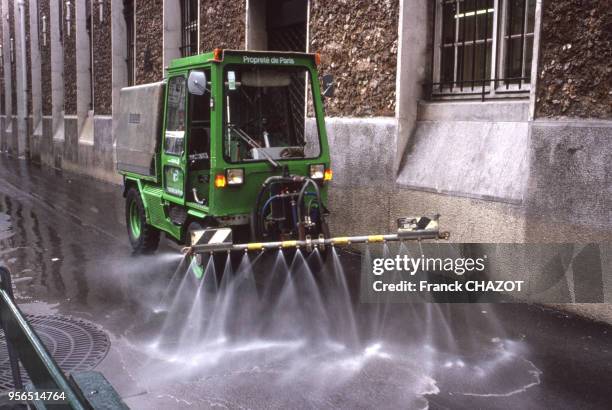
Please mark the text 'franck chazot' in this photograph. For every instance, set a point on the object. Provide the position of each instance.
(469, 286)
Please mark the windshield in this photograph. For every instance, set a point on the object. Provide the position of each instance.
(264, 114)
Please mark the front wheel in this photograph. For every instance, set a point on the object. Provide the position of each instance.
(144, 238)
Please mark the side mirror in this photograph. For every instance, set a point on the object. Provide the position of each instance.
(196, 83)
(328, 85)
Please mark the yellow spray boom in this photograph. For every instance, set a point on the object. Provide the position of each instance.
(219, 240)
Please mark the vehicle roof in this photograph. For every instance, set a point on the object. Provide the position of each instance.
(199, 59)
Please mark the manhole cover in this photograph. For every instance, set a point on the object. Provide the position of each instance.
(75, 344)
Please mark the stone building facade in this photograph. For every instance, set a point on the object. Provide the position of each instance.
(102, 59)
(222, 24)
(494, 113)
(575, 73)
(43, 17)
(149, 48)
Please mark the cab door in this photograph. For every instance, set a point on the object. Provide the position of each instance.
(198, 145)
(175, 128)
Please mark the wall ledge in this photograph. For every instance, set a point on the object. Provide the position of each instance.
(361, 120)
(491, 110)
(572, 122)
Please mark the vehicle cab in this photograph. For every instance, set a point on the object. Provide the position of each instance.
(243, 133)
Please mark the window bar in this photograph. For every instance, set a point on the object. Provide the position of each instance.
(193, 24)
(186, 26)
(524, 9)
(185, 22)
(433, 48)
(455, 48)
(89, 29)
(462, 42)
(475, 7)
(486, 36)
(495, 43)
(509, 40)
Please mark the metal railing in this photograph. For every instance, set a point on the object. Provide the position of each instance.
(25, 348)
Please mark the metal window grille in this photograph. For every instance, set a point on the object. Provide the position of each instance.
(481, 48)
(189, 25)
(128, 13)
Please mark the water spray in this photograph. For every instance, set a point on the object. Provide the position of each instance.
(409, 229)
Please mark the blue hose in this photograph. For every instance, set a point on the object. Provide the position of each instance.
(272, 198)
(294, 212)
(268, 202)
(293, 208)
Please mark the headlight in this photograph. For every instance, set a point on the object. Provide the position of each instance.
(317, 171)
(235, 176)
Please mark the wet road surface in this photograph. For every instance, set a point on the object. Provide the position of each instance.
(63, 237)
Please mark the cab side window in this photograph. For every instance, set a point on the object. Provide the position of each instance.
(175, 116)
(199, 132)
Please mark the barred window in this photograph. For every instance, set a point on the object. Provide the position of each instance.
(189, 27)
(482, 48)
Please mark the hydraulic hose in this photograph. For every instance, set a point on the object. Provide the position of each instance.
(258, 209)
(307, 182)
(272, 198)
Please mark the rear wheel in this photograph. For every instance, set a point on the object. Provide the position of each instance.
(144, 238)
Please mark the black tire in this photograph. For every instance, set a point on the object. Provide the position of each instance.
(145, 238)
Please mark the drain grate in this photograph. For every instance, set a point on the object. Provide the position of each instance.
(75, 344)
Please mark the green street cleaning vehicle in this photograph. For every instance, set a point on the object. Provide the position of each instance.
(229, 139)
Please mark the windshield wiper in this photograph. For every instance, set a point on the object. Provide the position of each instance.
(253, 144)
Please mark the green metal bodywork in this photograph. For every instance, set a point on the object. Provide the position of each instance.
(173, 172)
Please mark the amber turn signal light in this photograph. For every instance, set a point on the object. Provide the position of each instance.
(220, 181)
(328, 175)
(217, 55)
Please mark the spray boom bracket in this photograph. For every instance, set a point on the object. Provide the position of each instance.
(409, 227)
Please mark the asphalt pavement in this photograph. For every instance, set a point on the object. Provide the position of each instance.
(63, 237)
